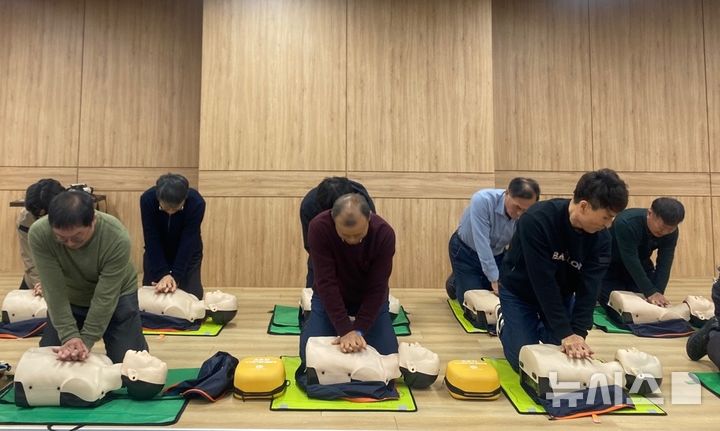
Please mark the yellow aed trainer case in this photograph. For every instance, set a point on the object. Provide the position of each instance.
(259, 377)
(472, 380)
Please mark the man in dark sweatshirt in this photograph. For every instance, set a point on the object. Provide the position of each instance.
(321, 198)
(89, 282)
(637, 233)
(553, 268)
(352, 251)
(172, 213)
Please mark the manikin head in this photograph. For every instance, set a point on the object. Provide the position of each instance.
(143, 374)
(419, 366)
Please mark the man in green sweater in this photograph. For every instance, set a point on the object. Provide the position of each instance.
(90, 285)
(637, 233)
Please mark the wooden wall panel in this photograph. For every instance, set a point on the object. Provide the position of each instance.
(639, 183)
(694, 253)
(422, 185)
(713, 220)
(419, 86)
(541, 85)
(141, 83)
(12, 178)
(711, 13)
(125, 205)
(273, 85)
(253, 242)
(40, 70)
(130, 179)
(10, 258)
(266, 184)
(422, 230)
(648, 85)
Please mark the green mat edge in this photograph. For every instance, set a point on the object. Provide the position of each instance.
(272, 329)
(701, 375)
(457, 311)
(615, 329)
(541, 410)
(196, 333)
(174, 420)
(285, 364)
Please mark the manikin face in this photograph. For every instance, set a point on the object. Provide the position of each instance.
(657, 226)
(352, 235)
(143, 366)
(515, 207)
(593, 220)
(75, 237)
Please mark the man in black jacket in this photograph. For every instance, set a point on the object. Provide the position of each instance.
(172, 213)
(552, 271)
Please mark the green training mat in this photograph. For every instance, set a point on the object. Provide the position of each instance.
(207, 329)
(710, 380)
(604, 322)
(295, 399)
(457, 311)
(524, 404)
(116, 411)
(285, 320)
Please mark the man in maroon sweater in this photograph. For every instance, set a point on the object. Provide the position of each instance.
(351, 251)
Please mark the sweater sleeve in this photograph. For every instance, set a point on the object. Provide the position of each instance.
(628, 238)
(593, 271)
(537, 251)
(190, 240)
(107, 291)
(327, 283)
(379, 275)
(481, 212)
(159, 266)
(54, 288)
(665, 257)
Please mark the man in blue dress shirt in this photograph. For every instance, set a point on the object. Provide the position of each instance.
(486, 227)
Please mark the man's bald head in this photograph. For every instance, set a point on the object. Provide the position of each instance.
(351, 214)
(349, 209)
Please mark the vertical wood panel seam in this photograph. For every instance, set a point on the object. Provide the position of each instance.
(707, 130)
(590, 82)
(347, 99)
(80, 104)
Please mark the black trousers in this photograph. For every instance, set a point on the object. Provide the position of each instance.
(123, 333)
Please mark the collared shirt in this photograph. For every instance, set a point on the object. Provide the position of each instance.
(486, 228)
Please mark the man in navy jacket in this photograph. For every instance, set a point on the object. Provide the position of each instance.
(172, 213)
(552, 271)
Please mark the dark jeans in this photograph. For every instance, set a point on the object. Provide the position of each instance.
(381, 335)
(191, 283)
(467, 269)
(123, 333)
(611, 283)
(524, 324)
(23, 285)
(310, 277)
(713, 346)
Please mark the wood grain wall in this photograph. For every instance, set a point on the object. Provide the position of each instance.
(423, 101)
(633, 85)
(396, 94)
(101, 92)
